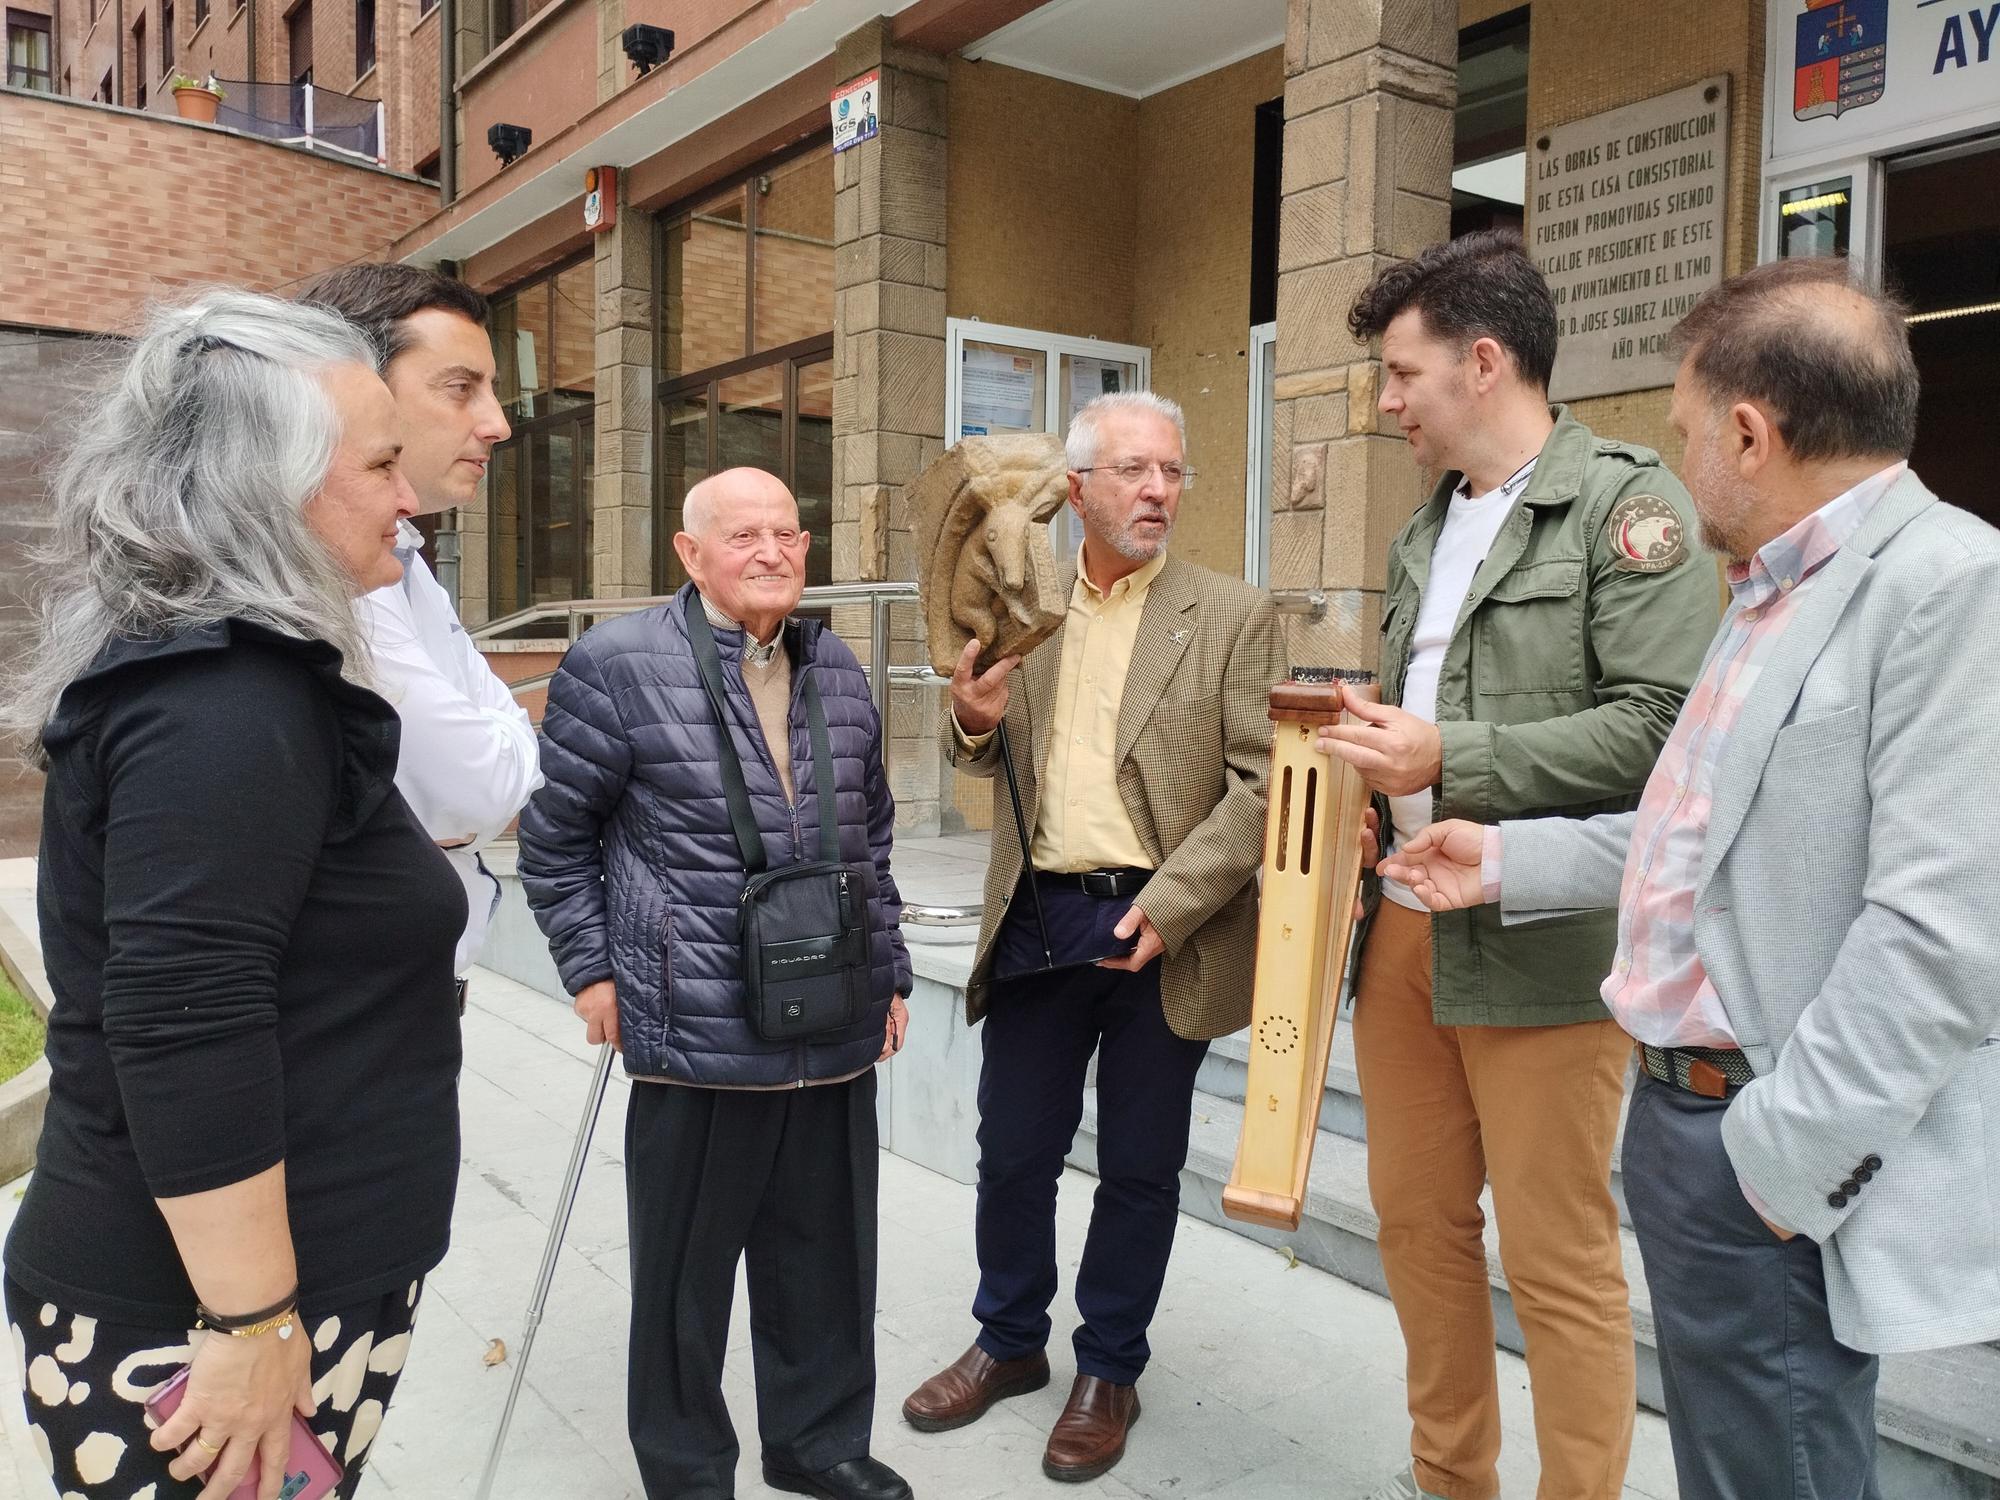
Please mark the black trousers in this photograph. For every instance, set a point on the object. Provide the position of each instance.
(785, 1179)
(1036, 1044)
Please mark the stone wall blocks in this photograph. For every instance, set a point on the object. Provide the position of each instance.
(1315, 149)
(1324, 87)
(1418, 222)
(912, 309)
(1312, 315)
(1317, 418)
(1364, 390)
(1372, 487)
(1348, 635)
(1307, 489)
(916, 102)
(1422, 134)
(1312, 227)
(1310, 383)
(1295, 549)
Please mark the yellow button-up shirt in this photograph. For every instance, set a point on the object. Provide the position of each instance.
(1081, 823)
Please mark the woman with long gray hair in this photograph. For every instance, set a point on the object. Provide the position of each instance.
(252, 1135)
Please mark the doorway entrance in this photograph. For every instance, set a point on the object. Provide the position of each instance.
(1941, 249)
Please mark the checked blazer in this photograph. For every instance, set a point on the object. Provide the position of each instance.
(1193, 753)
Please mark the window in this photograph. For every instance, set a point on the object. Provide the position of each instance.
(166, 36)
(1489, 155)
(539, 489)
(28, 65)
(998, 380)
(750, 268)
(364, 36)
(299, 30)
(200, 12)
(425, 7)
(745, 347)
(103, 95)
(139, 63)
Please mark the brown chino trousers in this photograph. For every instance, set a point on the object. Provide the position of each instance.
(1535, 1110)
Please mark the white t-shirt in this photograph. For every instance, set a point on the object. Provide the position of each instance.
(1470, 526)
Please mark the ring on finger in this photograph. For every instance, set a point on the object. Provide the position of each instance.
(206, 1445)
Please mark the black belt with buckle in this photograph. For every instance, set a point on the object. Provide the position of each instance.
(1109, 884)
(1712, 1072)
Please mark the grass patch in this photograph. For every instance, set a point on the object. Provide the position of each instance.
(20, 1032)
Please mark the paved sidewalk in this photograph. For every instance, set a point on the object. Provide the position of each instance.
(1268, 1381)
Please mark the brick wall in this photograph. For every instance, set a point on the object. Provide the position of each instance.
(106, 209)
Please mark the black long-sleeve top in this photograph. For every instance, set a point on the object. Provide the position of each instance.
(249, 939)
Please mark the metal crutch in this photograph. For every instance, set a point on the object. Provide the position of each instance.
(545, 1278)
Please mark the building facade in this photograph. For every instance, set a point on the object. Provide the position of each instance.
(1043, 210)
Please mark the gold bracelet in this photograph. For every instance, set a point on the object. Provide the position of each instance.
(283, 1325)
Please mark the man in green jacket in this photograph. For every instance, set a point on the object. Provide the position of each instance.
(1546, 611)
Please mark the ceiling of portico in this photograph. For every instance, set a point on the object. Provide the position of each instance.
(1135, 47)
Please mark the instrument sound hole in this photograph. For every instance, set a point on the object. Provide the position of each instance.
(1279, 1034)
(1306, 836)
(1284, 815)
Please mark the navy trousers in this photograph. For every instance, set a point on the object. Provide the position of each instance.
(1037, 1042)
(1763, 1402)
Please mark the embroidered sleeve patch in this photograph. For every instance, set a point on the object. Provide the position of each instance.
(1645, 535)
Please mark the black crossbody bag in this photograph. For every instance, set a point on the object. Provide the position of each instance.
(803, 927)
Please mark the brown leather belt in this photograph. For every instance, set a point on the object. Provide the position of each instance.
(1712, 1072)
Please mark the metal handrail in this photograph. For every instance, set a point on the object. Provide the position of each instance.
(877, 596)
(941, 916)
(1308, 602)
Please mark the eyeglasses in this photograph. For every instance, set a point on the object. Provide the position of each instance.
(745, 539)
(1174, 475)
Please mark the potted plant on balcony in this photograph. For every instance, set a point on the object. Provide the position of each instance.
(195, 100)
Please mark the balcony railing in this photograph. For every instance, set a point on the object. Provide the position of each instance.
(300, 114)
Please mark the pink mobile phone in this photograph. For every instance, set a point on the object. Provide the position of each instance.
(310, 1471)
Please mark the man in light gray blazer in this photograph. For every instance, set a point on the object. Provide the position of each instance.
(1809, 926)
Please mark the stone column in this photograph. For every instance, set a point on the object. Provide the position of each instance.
(888, 367)
(1370, 87)
(622, 481)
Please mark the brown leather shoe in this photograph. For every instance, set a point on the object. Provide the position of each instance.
(962, 1391)
(1089, 1437)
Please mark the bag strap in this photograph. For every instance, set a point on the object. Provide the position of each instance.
(824, 790)
(748, 841)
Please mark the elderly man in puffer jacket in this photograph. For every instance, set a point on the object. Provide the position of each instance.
(734, 1145)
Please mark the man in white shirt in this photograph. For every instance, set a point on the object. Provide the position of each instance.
(1543, 615)
(469, 760)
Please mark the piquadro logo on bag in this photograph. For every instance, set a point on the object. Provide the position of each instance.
(793, 1010)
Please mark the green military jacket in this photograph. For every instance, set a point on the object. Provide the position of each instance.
(1579, 638)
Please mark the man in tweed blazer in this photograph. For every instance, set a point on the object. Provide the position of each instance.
(1141, 742)
(1809, 929)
